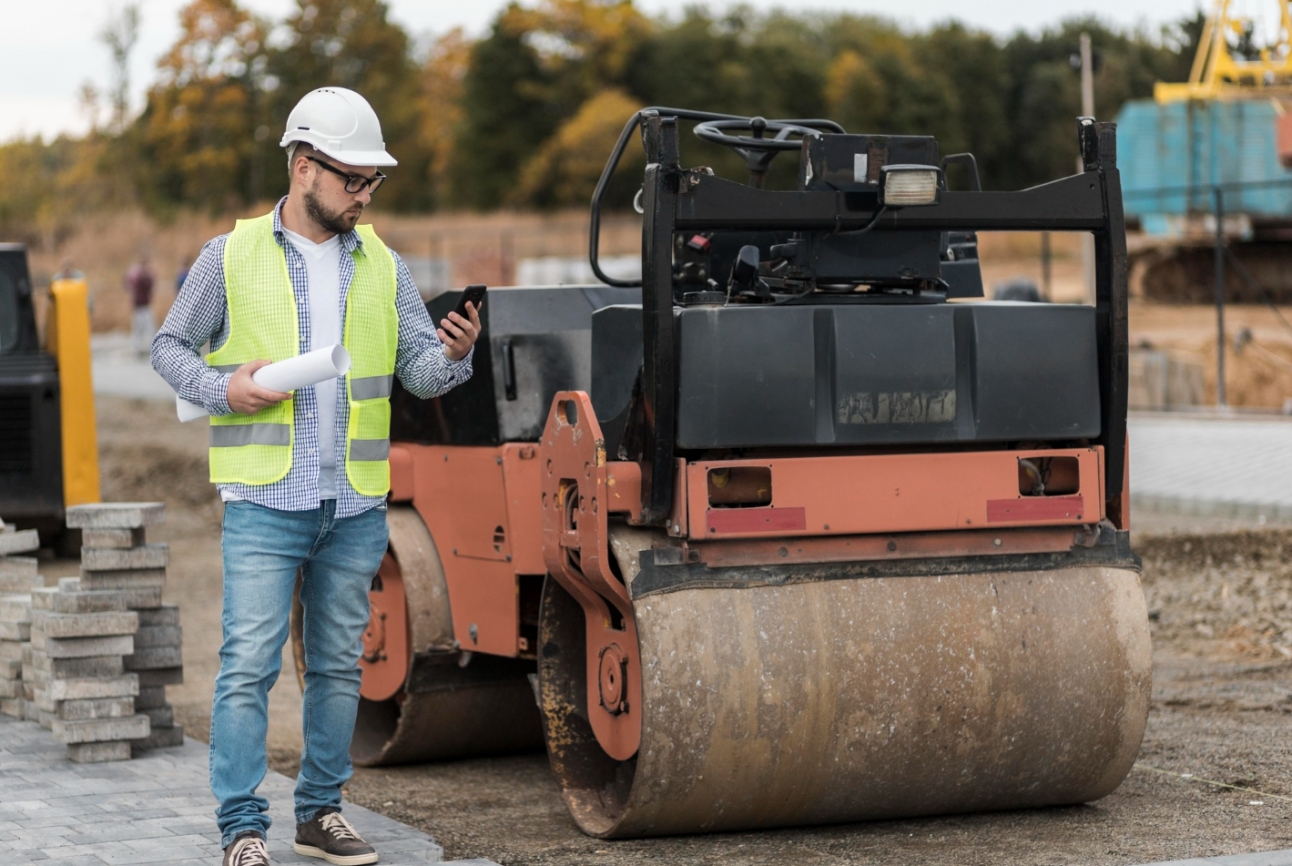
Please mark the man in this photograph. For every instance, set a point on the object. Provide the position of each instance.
(304, 476)
(139, 283)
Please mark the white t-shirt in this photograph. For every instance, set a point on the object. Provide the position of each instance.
(323, 281)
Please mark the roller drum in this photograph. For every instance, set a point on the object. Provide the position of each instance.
(860, 698)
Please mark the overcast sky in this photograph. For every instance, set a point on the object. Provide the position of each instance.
(48, 48)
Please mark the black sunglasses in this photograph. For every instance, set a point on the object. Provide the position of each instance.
(353, 182)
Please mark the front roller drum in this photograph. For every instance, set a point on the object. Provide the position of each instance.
(418, 701)
(857, 699)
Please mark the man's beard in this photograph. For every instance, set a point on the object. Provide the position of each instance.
(339, 222)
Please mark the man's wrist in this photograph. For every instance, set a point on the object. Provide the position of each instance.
(215, 393)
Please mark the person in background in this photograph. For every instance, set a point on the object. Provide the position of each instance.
(180, 277)
(139, 283)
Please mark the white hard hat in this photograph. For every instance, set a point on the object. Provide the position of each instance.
(339, 123)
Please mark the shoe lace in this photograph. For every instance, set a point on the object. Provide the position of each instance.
(339, 827)
(251, 852)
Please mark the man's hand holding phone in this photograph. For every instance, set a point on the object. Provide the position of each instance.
(458, 332)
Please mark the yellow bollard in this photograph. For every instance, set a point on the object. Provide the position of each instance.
(67, 338)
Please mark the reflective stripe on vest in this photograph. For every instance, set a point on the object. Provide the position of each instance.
(371, 387)
(261, 307)
(369, 449)
(250, 434)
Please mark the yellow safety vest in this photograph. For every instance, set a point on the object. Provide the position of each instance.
(257, 449)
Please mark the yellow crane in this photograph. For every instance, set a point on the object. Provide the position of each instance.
(1218, 73)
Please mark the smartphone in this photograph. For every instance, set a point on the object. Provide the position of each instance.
(475, 294)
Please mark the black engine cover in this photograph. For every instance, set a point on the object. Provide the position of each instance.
(865, 374)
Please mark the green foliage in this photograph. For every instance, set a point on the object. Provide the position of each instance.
(526, 115)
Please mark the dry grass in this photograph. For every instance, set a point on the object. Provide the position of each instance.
(1260, 375)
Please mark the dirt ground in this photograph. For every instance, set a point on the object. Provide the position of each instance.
(1214, 775)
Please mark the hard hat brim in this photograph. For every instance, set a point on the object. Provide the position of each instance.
(374, 158)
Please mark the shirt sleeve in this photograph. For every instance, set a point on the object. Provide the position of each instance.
(196, 317)
(420, 362)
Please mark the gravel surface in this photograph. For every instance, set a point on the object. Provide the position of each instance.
(1220, 593)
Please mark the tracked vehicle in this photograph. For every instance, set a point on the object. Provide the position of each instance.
(784, 533)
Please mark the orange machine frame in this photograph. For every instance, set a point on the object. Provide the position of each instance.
(483, 508)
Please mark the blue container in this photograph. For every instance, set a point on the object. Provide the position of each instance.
(1171, 156)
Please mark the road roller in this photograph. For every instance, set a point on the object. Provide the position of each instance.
(793, 529)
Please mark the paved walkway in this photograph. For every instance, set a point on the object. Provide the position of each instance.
(1226, 467)
(155, 809)
(1261, 858)
(118, 371)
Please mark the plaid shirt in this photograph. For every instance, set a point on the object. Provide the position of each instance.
(200, 314)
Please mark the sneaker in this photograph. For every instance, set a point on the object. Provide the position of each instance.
(247, 849)
(329, 836)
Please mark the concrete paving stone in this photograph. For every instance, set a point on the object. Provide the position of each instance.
(142, 598)
(147, 556)
(22, 541)
(19, 566)
(59, 600)
(116, 515)
(128, 578)
(19, 631)
(15, 607)
(101, 730)
(80, 647)
(151, 697)
(126, 795)
(96, 708)
(105, 624)
(160, 738)
(159, 636)
(166, 614)
(88, 688)
(98, 752)
(64, 669)
(11, 650)
(153, 658)
(159, 717)
(98, 624)
(113, 538)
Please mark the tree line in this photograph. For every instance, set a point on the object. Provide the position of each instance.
(525, 115)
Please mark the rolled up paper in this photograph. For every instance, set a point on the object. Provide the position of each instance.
(299, 372)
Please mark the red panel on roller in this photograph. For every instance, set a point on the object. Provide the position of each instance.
(1033, 508)
(756, 520)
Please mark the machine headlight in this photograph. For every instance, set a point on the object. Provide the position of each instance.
(908, 185)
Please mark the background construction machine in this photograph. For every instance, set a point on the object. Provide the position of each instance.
(48, 444)
(1216, 146)
(779, 535)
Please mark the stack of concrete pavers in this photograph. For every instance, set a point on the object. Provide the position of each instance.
(83, 693)
(18, 576)
(116, 558)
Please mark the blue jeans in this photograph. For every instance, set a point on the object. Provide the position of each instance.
(263, 548)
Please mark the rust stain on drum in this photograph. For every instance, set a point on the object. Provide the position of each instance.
(877, 698)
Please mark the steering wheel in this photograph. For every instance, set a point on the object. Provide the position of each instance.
(757, 149)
